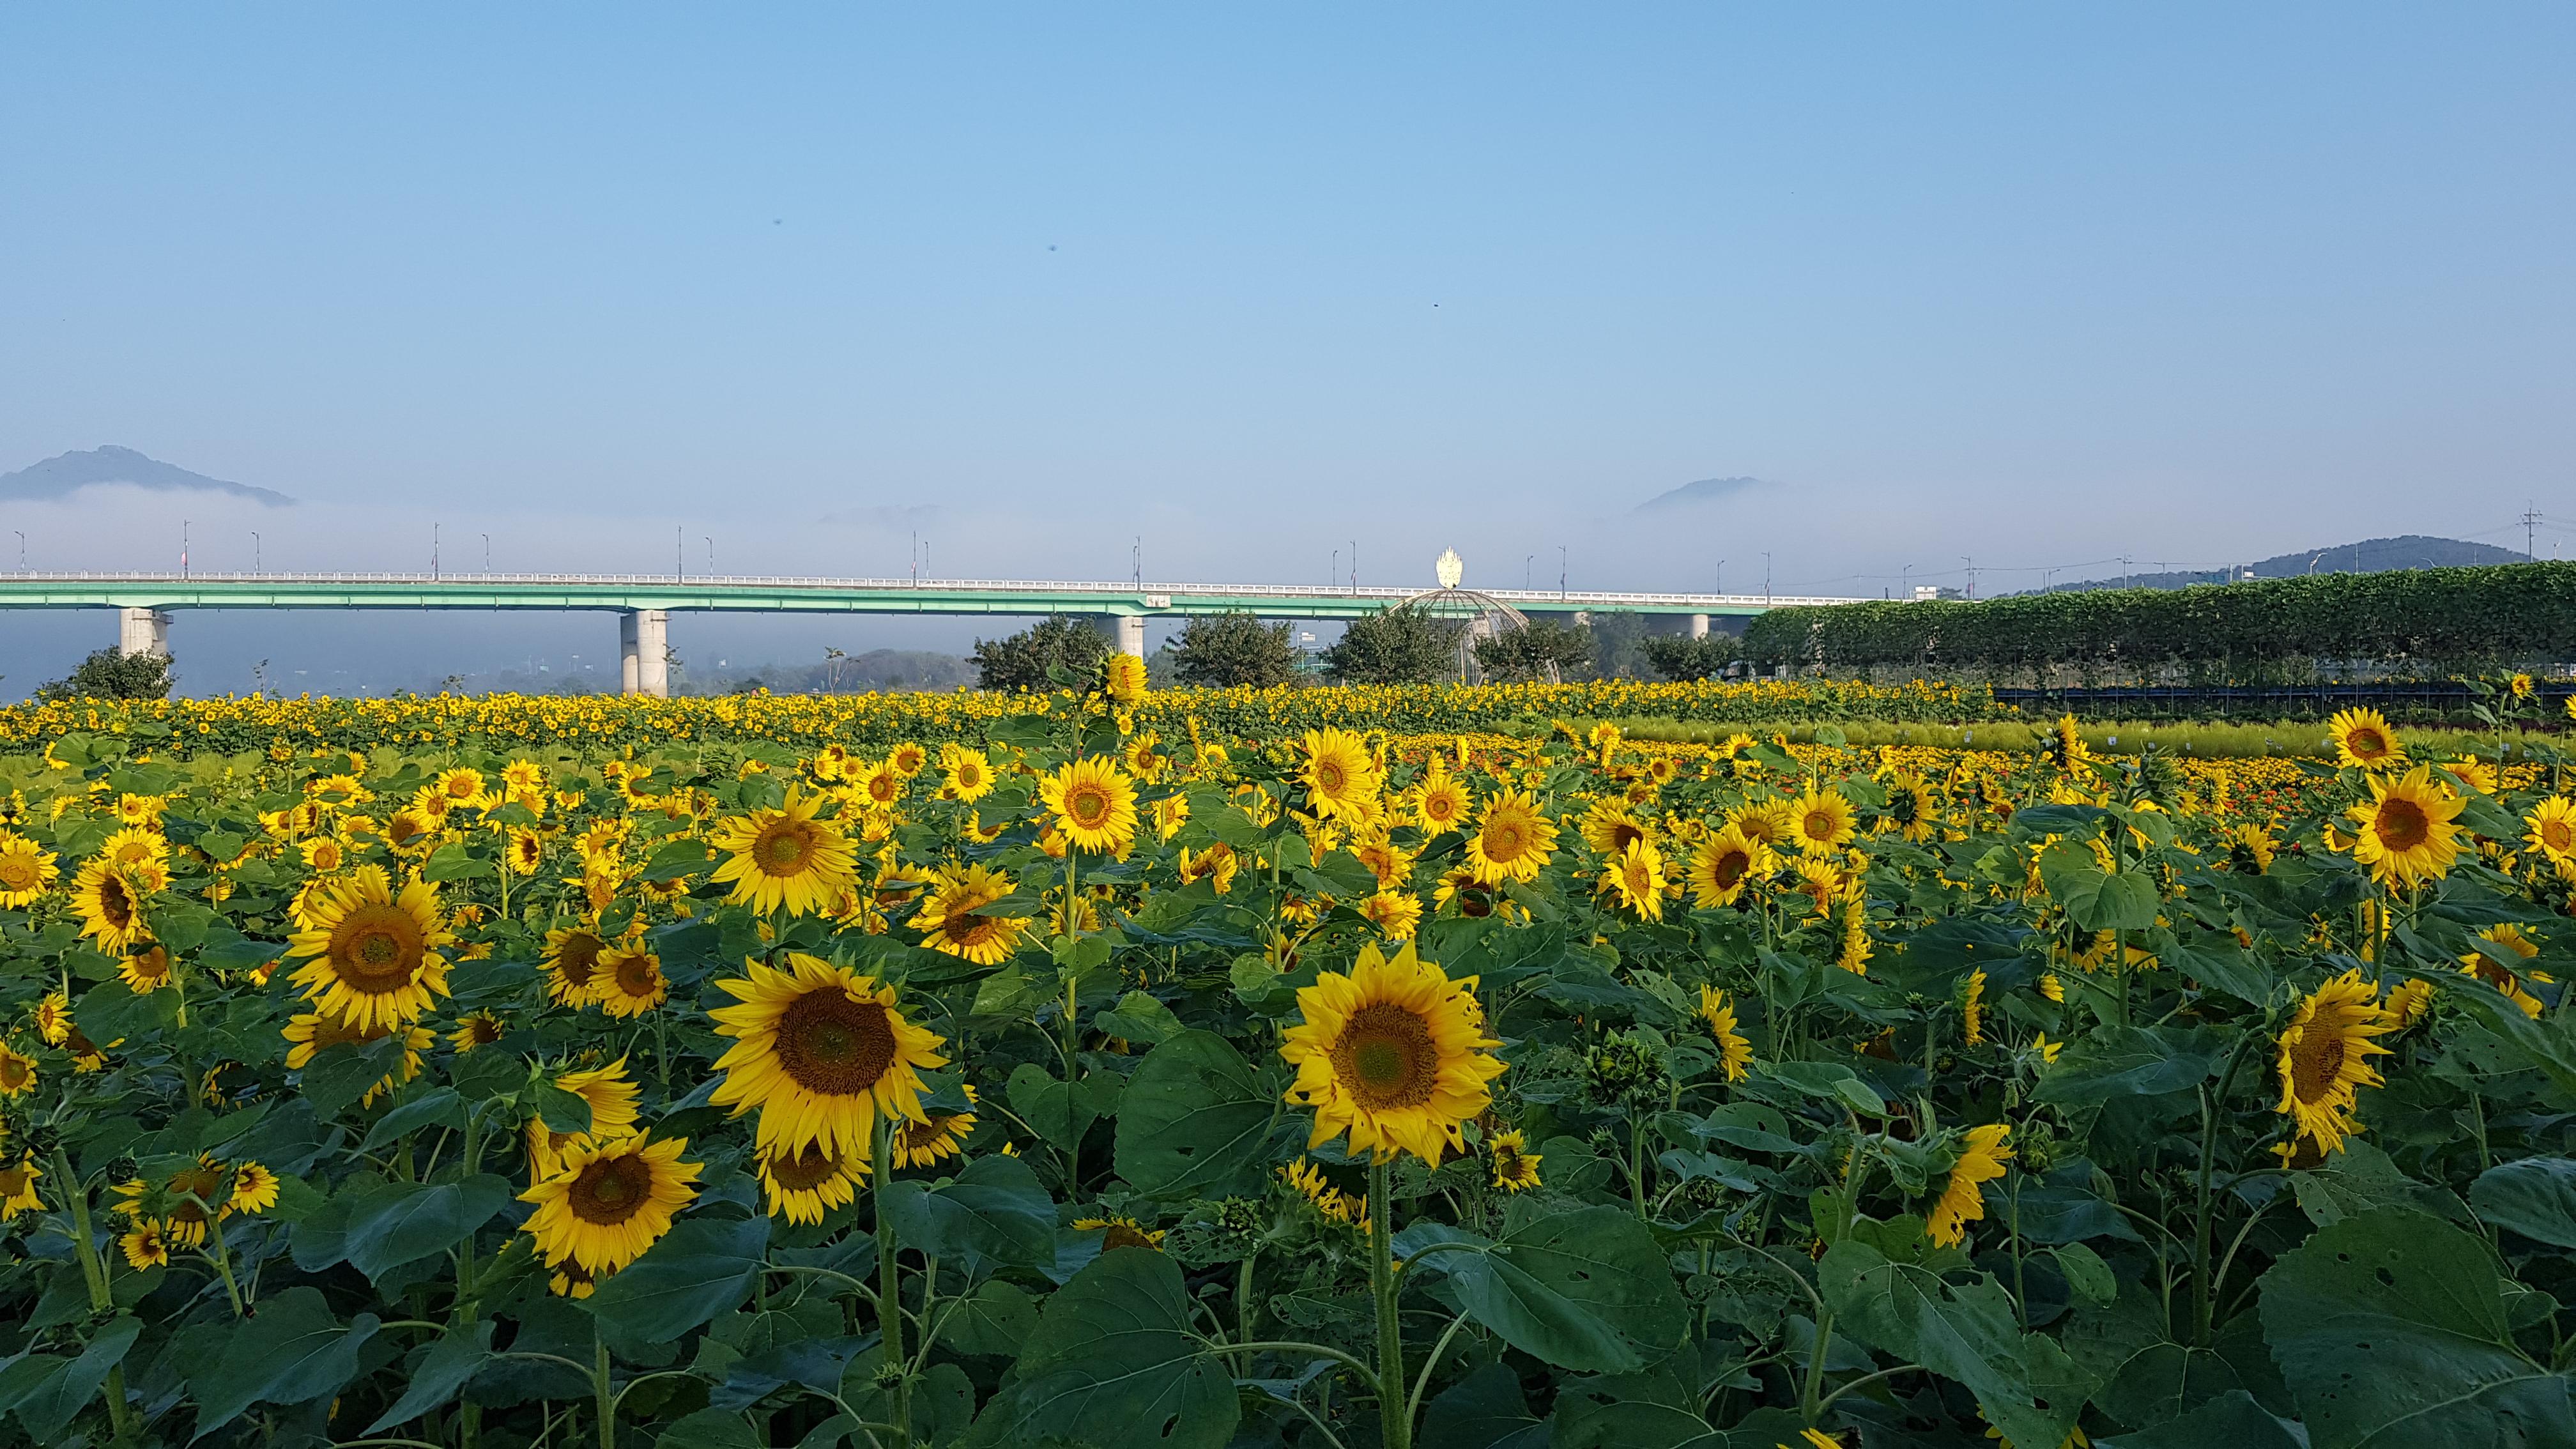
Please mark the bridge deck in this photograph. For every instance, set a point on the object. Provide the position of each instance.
(788, 595)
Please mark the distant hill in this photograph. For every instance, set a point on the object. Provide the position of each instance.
(1706, 490)
(2370, 556)
(62, 476)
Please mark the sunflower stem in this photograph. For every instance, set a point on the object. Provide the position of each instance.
(889, 1282)
(84, 1238)
(1395, 1424)
(600, 1390)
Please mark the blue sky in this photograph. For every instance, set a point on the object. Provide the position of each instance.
(2036, 284)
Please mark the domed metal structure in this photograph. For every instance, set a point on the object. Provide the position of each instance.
(1482, 615)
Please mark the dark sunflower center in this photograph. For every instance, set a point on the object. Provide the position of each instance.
(13, 1181)
(2315, 1063)
(2368, 744)
(1124, 1235)
(637, 976)
(17, 872)
(1638, 877)
(1819, 825)
(1329, 776)
(580, 956)
(2401, 824)
(805, 1171)
(1623, 834)
(921, 1136)
(152, 965)
(966, 928)
(783, 846)
(611, 1190)
(1385, 1058)
(15, 1072)
(1729, 867)
(1503, 840)
(834, 1046)
(114, 904)
(1475, 902)
(376, 948)
(2556, 834)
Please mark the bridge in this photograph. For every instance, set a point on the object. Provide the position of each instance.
(645, 602)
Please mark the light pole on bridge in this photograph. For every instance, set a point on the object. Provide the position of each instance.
(487, 553)
(254, 551)
(183, 548)
(22, 548)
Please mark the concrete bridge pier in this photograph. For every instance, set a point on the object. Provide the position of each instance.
(644, 652)
(1126, 632)
(142, 631)
(1685, 626)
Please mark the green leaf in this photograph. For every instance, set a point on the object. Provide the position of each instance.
(562, 1111)
(339, 1075)
(2232, 1419)
(1138, 1017)
(700, 1268)
(2390, 1329)
(1656, 1411)
(1115, 1360)
(1832, 1081)
(994, 1213)
(292, 1351)
(996, 1321)
(1587, 1290)
(1053, 1109)
(2535, 1197)
(402, 1221)
(2086, 1273)
(454, 862)
(437, 1107)
(676, 858)
(2129, 1062)
(51, 1399)
(437, 1374)
(1484, 1410)
(709, 1429)
(2026, 1385)
(1196, 1120)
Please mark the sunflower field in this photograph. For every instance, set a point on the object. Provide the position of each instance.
(1129, 1075)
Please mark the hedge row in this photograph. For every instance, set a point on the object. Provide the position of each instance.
(2436, 620)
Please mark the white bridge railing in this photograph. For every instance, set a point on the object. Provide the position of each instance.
(1524, 598)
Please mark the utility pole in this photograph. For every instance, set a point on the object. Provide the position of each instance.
(1528, 562)
(679, 552)
(1561, 557)
(1721, 576)
(487, 553)
(1905, 577)
(1766, 578)
(433, 553)
(1355, 566)
(1972, 576)
(2530, 519)
(1333, 577)
(2124, 571)
(22, 548)
(1136, 561)
(254, 551)
(183, 548)
(711, 554)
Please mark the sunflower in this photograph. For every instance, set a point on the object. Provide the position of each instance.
(462, 787)
(1215, 865)
(135, 846)
(2065, 746)
(611, 1097)
(474, 1031)
(192, 1196)
(608, 1202)
(1396, 914)
(1512, 840)
(878, 786)
(146, 1247)
(53, 1018)
(572, 963)
(310, 1033)
(820, 1050)
(1123, 678)
(1608, 827)
(1339, 772)
(2325, 1057)
(18, 1188)
(943, 1134)
(26, 872)
(2474, 773)
(1910, 807)
(1820, 880)
(1718, 1015)
(1821, 822)
(2407, 830)
(785, 859)
(1636, 878)
(1981, 1159)
(146, 971)
(409, 832)
(1515, 1166)
(1120, 1231)
(630, 980)
(375, 951)
(970, 774)
(2363, 740)
(804, 1185)
(17, 1072)
(1723, 864)
(2250, 849)
(1392, 1054)
(953, 919)
(2506, 937)
(527, 851)
(110, 906)
(1171, 812)
(1441, 803)
(2552, 822)
(1094, 804)
(1856, 948)
(1972, 1009)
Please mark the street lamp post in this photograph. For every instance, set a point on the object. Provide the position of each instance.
(183, 548)
(711, 554)
(254, 551)
(22, 548)
(487, 553)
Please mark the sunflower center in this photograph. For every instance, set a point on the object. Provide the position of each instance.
(783, 847)
(16, 1072)
(966, 928)
(1385, 1058)
(1087, 805)
(376, 948)
(1729, 867)
(579, 957)
(2401, 824)
(2367, 744)
(1623, 834)
(833, 1046)
(1503, 840)
(1329, 776)
(115, 906)
(1635, 872)
(611, 1190)
(2556, 834)
(1819, 825)
(17, 873)
(805, 1171)
(13, 1181)
(1124, 1235)
(637, 976)
(2316, 1063)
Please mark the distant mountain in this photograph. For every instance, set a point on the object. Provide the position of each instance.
(61, 476)
(1706, 490)
(2370, 556)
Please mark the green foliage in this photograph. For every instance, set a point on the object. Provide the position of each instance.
(2430, 622)
(1678, 656)
(1029, 660)
(114, 674)
(1222, 650)
(1396, 645)
(1543, 651)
